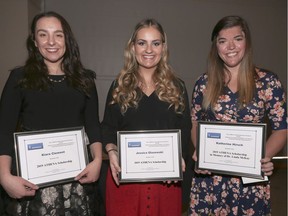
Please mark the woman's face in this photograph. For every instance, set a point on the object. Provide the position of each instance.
(50, 40)
(148, 48)
(231, 45)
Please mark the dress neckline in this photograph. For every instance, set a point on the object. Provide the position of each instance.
(56, 78)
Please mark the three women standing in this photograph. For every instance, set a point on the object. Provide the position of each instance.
(53, 90)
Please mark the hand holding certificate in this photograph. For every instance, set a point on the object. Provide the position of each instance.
(150, 155)
(231, 148)
(50, 156)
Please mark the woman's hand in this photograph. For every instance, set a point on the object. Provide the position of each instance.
(183, 166)
(114, 165)
(91, 173)
(17, 187)
(267, 166)
(198, 171)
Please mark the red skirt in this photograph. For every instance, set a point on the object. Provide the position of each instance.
(142, 199)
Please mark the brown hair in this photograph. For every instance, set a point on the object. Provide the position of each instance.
(216, 68)
(36, 71)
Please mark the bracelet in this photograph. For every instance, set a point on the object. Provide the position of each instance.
(112, 149)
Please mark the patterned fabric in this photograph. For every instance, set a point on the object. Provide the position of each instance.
(226, 195)
(61, 106)
(61, 200)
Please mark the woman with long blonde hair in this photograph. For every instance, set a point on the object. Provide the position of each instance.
(146, 95)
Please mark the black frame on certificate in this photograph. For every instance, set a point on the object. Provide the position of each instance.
(56, 180)
(177, 156)
(229, 170)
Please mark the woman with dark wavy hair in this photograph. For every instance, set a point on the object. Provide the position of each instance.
(146, 95)
(51, 91)
(235, 90)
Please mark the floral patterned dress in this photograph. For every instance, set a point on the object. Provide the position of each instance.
(223, 194)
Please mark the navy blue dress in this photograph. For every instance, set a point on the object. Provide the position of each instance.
(226, 195)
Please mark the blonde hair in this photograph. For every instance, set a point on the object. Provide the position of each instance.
(217, 70)
(167, 85)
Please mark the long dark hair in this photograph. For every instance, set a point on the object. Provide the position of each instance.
(36, 71)
(217, 70)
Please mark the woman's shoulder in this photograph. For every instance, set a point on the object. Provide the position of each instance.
(267, 78)
(114, 84)
(202, 79)
(203, 76)
(16, 73)
(179, 82)
(90, 73)
(265, 74)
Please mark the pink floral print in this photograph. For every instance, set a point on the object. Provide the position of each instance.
(226, 195)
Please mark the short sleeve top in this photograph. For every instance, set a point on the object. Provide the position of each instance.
(269, 100)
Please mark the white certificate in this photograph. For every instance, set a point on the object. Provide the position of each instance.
(50, 157)
(231, 148)
(149, 155)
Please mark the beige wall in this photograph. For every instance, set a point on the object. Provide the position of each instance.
(14, 30)
(15, 16)
(102, 28)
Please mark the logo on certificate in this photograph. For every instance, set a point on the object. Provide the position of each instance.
(214, 135)
(35, 146)
(134, 144)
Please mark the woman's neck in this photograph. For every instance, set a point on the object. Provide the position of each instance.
(147, 83)
(147, 75)
(231, 80)
(55, 69)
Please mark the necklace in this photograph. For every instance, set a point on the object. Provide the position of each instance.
(147, 89)
(56, 80)
(147, 86)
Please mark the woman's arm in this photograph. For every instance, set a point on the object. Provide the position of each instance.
(274, 144)
(10, 106)
(186, 126)
(92, 171)
(194, 140)
(15, 186)
(92, 127)
(276, 109)
(109, 127)
(112, 151)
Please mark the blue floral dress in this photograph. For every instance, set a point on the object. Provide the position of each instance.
(226, 195)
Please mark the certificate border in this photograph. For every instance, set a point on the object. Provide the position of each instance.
(178, 156)
(55, 180)
(262, 126)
